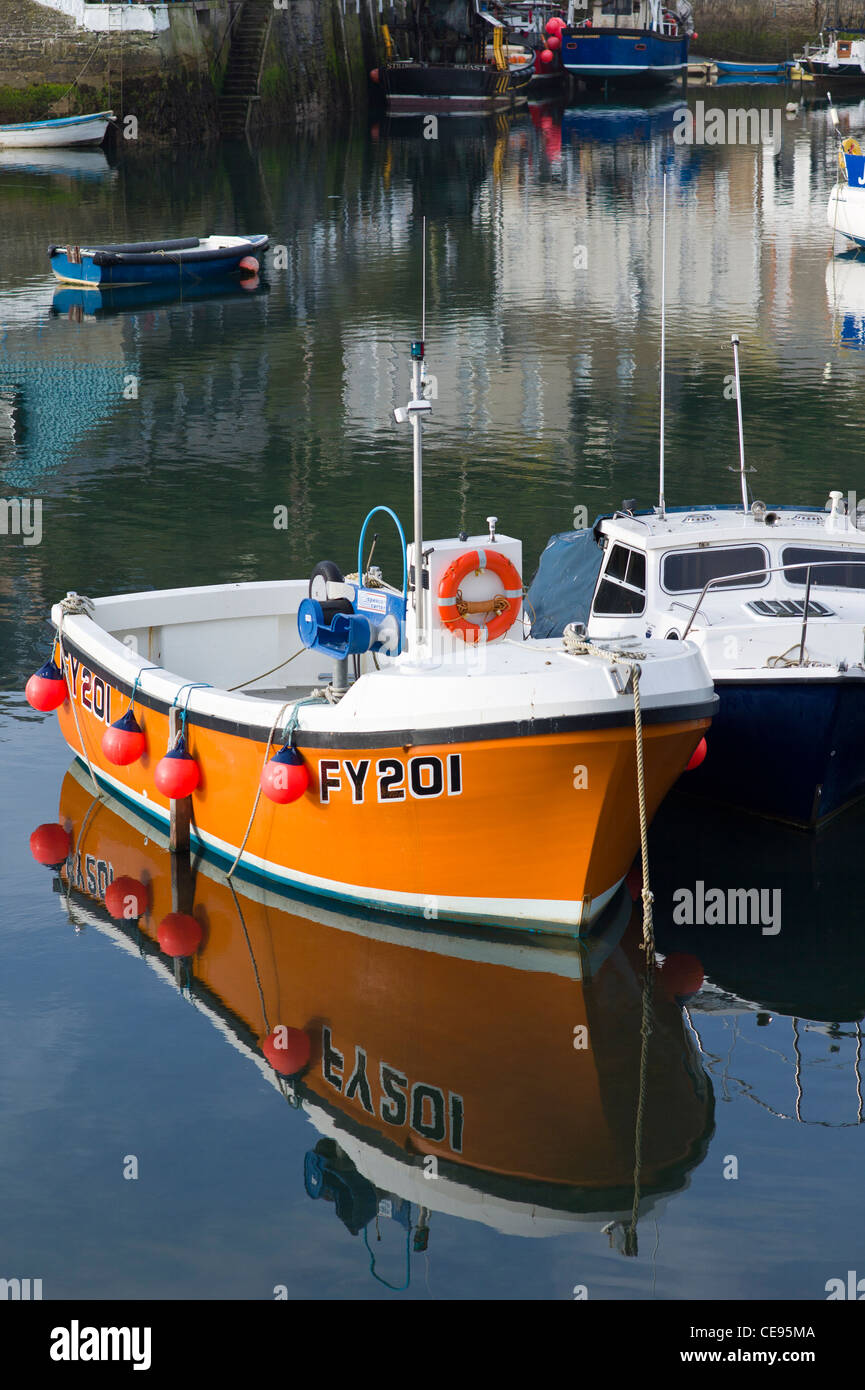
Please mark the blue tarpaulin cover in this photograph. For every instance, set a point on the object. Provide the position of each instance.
(561, 591)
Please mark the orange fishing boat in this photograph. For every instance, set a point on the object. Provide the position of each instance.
(424, 733)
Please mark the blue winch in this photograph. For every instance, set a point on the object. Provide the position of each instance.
(343, 618)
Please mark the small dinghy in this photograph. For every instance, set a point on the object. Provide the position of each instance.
(414, 751)
(157, 262)
(750, 69)
(66, 130)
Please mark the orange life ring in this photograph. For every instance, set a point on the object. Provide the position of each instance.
(506, 606)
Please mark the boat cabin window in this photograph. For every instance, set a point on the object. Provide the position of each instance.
(618, 6)
(839, 569)
(688, 571)
(623, 584)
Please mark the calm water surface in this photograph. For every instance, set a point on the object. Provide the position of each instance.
(160, 439)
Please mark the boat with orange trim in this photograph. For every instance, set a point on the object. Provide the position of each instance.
(407, 1070)
(414, 765)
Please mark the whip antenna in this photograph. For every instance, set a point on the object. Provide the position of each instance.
(663, 345)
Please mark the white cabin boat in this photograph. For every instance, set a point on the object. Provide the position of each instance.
(774, 598)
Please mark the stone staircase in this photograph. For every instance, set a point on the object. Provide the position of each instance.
(243, 72)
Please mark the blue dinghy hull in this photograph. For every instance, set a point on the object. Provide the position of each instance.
(188, 260)
(633, 57)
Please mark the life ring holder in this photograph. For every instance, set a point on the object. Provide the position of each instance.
(453, 608)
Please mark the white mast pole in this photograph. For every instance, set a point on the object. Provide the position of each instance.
(417, 351)
(663, 344)
(414, 412)
(735, 341)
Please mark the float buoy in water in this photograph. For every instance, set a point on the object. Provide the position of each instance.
(179, 934)
(546, 55)
(126, 898)
(123, 741)
(698, 755)
(554, 42)
(554, 26)
(177, 774)
(250, 264)
(681, 975)
(285, 776)
(50, 844)
(374, 75)
(46, 688)
(288, 1050)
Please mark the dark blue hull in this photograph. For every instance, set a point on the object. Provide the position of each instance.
(792, 750)
(632, 57)
(185, 261)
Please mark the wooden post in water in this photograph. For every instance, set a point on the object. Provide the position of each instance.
(180, 812)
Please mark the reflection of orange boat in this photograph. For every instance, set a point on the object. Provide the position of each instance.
(517, 1067)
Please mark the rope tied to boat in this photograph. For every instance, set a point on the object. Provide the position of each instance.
(577, 644)
(785, 659)
(288, 738)
(82, 605)
(188, 686)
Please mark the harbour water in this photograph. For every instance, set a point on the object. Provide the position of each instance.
(244, 435)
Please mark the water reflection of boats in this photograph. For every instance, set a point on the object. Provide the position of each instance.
(513, 1073)
(814, 965)
(799, 1056)
(72, 302)
(768, 78)
(82, 164)
(845, 295)
(606, 121)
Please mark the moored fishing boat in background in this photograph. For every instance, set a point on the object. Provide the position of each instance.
(839, 57)
(452, 57)
(628, 42)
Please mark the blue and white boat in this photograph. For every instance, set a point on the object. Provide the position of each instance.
(845, 212)
(65, 130)
(157, 262)
(628, 42)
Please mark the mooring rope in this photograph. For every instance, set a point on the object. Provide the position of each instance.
(581, 646)
(278, 667)
(287, 734)
(645, 1034)
(76, 603)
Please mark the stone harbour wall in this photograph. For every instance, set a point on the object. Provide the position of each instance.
(170, 78)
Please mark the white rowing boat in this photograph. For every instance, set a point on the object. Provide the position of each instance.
(65, 130)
